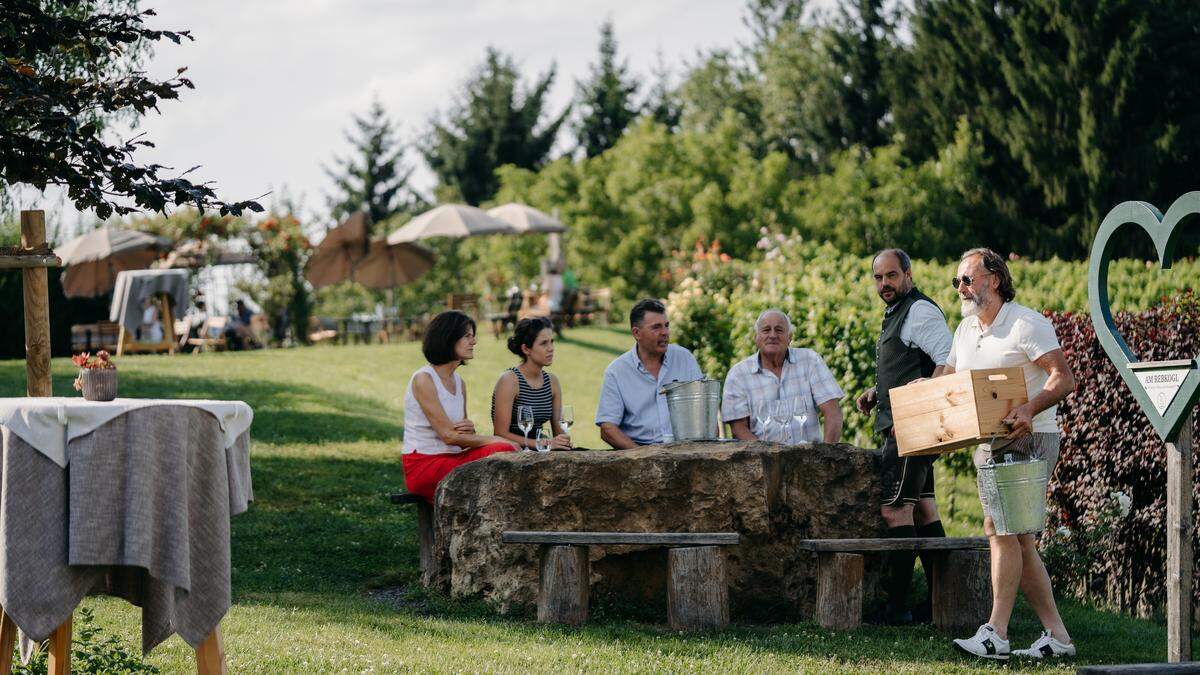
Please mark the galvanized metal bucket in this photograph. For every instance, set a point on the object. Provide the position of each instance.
(1014, 495)
(695, 409)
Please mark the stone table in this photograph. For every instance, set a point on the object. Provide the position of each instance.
(773, 495)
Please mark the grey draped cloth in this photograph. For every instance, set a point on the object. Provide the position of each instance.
(141, 511)
(134, 286)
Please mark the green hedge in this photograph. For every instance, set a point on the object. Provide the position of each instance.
(831, 299)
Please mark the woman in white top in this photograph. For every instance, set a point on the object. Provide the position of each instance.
(438, 437)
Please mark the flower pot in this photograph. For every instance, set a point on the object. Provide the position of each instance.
(98, 384)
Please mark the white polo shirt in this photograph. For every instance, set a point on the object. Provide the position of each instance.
(1017, 337)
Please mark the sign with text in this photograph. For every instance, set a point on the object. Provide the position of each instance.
(1162, 380)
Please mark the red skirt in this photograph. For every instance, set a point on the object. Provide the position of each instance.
(422, 473)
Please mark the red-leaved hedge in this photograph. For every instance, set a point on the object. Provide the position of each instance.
(1108, 445)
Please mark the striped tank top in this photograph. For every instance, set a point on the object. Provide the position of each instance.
(540, 399)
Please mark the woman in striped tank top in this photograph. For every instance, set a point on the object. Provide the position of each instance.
(529, 384)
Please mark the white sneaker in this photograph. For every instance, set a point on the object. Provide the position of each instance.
(985, 644)
(1046, 646)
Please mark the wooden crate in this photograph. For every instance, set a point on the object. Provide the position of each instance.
(955, 411)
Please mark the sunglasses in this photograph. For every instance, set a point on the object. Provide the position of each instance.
(966, 280)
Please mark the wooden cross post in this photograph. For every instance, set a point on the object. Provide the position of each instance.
(37, 309)
(1179, 545)
(32, 259)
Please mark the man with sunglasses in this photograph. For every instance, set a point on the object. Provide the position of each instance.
(998, 333)
(913, 343)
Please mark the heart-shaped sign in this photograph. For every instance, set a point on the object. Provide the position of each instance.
(1166, 417)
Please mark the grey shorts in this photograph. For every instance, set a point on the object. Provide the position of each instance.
(1038, 445)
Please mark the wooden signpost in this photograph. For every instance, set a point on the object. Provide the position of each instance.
(33, 259)
(1167, 392)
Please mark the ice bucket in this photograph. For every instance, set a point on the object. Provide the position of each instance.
(695, 409)
(1014, 495)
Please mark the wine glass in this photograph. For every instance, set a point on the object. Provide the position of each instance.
(762, 413)
(525, 421)
(781, 415)
(566, 418)
(800, 414)
(542, 440)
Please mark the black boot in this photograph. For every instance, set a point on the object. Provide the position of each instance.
(898, 579)
(923, 613)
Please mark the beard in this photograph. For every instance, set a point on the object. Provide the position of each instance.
(973, 307)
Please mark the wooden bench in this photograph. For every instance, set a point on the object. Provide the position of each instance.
(962, 587)
(424, 531)
(1192, 667)
(697, 591)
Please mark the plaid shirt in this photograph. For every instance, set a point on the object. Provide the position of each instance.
(805, 375)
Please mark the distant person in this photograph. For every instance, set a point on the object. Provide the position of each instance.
(529, 384)
(553, 286)
(632, 410)
(238, 331)
(438, 437)
(151, 329)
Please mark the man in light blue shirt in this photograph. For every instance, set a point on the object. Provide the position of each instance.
(632, 409)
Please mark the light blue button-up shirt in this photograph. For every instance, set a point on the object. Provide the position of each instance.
(631, 397)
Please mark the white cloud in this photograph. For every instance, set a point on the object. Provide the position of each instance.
(278, 80)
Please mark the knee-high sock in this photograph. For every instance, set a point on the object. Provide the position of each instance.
(901, 568)
(933, 529)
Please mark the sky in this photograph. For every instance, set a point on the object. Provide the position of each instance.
(278, 81)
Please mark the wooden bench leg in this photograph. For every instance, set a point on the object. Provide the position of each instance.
(962, 591)
(210, 655)
(425, 539)
(8, 639)
(564, 578)
(697, 591)
(58, 661)
(839, 590)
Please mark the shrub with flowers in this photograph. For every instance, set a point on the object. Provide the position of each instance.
(279, 242)
(101, 361)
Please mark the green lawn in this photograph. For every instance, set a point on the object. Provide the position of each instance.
(320, 537)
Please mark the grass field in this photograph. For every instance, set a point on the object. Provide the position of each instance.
(320, 538)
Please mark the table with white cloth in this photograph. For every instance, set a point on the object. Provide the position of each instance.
(131, 497)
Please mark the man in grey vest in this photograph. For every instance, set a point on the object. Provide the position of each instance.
(913, 344)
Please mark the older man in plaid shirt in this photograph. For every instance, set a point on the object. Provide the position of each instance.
(779, 372)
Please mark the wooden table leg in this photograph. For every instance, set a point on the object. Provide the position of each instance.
(8, 638)
(210, 655)
(58, 661)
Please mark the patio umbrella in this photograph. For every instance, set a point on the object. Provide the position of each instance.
(93, 260)
(334, 258)
(526, 219)
(391, 265)
(450, 220)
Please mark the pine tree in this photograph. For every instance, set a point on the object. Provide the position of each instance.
(605, 100)
(1081, 104)
(825, 85)
(662, 101)
(374, 177)
(495, 122)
